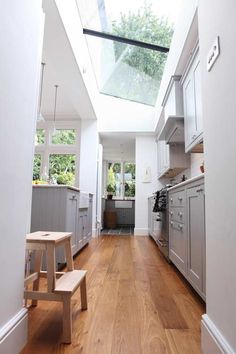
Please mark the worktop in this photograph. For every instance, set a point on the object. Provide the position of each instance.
(59, 186)
(190, 180)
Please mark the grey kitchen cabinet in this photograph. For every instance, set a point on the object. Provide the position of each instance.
(187, 232)
(192, 98)
(57, 208)
(178, 230)
(196, 236)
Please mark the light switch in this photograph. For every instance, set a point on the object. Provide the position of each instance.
(213, 53)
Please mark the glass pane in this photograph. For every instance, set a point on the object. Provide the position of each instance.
(64, 136)
(114, 179)
(40, 136)
(129, 179)
(149, 21)
(62, 168)
(126, 71)
(37, 167)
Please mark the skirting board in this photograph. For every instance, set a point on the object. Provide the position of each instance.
(213, 342)
(13, 336)
(140, 232)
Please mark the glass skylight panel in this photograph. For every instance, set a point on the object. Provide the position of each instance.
(123, 70)
(127, 71)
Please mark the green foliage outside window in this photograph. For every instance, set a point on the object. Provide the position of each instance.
(147, 27)
(37, 167)
(129, 179)
(62, 168)
(40, 136)
(64, 136)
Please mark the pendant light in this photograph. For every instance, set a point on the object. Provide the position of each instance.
(55, 108)
(39, 115)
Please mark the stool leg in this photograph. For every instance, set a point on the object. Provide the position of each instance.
(67, 319)
(37, 268)
(83, 294)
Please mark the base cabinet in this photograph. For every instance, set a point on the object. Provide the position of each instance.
(187, 232)
(196, 236)
(178, 230)
(57, 208)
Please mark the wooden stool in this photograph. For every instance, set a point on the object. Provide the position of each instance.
(68, 282)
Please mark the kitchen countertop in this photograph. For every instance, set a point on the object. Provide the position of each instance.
(59, 186)
(193, 179)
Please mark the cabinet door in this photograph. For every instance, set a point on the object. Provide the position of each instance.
(178, 245)
(196, 236)
(80, 227)
(193, 106)
(71, 217)
(163, 157)
(198, 98)
(189, 109)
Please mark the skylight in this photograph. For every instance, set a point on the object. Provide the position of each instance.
(123, 70)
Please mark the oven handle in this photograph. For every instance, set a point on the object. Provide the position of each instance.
(162, 243)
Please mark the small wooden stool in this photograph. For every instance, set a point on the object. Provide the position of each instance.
(68, 282)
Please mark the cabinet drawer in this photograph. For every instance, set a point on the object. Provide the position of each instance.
(177, 214)
(177, 199)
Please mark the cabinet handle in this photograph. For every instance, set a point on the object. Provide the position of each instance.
(171, 213)
(180, 227)
(180, 214)
(73, 197)
(200, 190)
(172, 223)
(171, 199)
(180, 198)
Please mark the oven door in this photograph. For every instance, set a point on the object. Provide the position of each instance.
(162, 238)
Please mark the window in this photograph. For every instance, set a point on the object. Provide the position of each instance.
(129, 179)
(121, 179)
(62, 168)
(57, 153)
(64, 136)
(40, 137)
(37, 166)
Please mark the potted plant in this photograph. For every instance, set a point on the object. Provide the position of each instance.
(110, 191)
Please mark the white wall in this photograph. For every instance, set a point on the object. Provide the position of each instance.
(217, 17)
(180, 49)
(119, 115)
(146, 156)
(21, 46)
(88, 161)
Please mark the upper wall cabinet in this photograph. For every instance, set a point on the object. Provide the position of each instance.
(173, 99)
(193, 105)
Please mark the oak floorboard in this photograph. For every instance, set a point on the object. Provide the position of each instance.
(137, 303)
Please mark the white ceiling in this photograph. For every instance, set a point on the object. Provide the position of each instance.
(118, 146)
(61, 68)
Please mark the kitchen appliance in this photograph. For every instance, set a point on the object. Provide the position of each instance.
(162, 219)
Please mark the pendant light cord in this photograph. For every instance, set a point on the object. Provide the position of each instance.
(55, 105)
(41, 87)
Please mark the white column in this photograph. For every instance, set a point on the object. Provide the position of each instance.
(217, 18)
(21, 46)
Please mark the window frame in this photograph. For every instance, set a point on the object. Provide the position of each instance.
(123, 162)
(47, 149)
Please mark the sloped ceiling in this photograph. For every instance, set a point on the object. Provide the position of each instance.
(61, 68)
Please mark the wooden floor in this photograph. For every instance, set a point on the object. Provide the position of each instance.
(138, 303)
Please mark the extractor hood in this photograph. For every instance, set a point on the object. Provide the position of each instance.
(173, 130)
